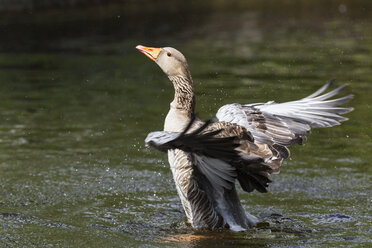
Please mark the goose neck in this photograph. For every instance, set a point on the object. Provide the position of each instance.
(184, 96)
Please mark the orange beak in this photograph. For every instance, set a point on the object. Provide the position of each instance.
(150, 52)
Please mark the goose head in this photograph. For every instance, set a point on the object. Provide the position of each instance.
(169, 59)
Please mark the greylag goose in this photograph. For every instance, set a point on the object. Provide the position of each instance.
(247, 144)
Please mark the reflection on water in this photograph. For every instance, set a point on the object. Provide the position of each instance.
(76, 108)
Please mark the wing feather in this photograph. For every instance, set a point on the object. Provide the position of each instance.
(250, 141)
(288, 123)
(223, 152)
(220, 173)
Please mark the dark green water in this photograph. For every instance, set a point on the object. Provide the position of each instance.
(74, 171)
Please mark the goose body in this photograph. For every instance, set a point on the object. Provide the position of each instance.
(247, 144)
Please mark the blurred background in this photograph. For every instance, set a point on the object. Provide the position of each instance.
(77, 101)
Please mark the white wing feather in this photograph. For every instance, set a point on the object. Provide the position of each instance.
(288, 123)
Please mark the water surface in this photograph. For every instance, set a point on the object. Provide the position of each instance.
(74, 169)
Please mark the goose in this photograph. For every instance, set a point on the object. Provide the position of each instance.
(246, 144)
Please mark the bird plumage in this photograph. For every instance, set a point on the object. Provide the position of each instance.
(247, 144)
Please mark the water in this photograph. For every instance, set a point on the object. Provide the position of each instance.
(75, 112)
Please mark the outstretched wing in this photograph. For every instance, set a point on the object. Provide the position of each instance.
(223, 152)
(288, 123)
(205, 144)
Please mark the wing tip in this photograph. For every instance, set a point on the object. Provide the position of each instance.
(331, 82)
(348, 110)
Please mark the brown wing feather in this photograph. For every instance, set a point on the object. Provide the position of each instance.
(223, 152)
(255, 175)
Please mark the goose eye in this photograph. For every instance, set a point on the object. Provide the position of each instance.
(169, 54)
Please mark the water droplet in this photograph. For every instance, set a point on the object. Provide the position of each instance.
(342, 8)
